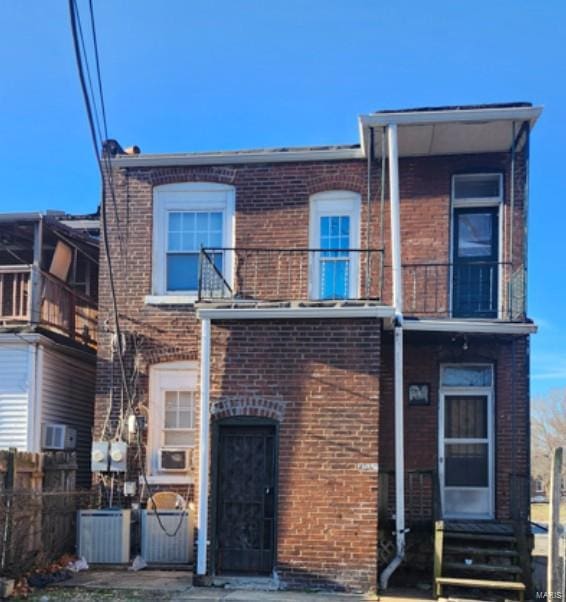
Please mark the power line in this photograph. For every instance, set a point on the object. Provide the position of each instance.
(92, 120)
(97, 62)
(87, 68)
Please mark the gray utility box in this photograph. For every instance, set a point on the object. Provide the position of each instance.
(160, 548)
(103, 536)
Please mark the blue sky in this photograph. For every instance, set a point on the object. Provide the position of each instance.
(196, 75)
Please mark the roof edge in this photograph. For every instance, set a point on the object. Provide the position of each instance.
(521, 112)
(289, 155)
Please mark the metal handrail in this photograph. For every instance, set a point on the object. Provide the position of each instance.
(204, 252)
(213, 284)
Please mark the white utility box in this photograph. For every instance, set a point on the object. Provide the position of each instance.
(103, 536)
(160, 548)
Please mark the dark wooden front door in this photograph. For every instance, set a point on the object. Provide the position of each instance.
(245, 523)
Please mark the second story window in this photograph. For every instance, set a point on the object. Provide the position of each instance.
(189, 217)
(334, 240)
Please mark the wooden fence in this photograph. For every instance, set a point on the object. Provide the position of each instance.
(38, 504)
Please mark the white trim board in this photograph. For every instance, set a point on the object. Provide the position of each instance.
(298, 313)
(237, 158)
(452, 115)
(329, 204)
(470, 326)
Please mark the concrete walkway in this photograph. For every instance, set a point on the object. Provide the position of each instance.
(173, 586)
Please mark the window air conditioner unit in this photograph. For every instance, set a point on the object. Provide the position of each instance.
(173, 460)
(58, 436)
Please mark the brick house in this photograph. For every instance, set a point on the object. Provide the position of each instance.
(328, 344)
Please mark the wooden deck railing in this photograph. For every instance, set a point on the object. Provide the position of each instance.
(14, 293)
(58, 306)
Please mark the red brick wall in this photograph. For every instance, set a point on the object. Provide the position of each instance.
(272, 204)
(320, 379)
(423, 354)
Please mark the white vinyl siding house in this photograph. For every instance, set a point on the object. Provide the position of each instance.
(14, 396)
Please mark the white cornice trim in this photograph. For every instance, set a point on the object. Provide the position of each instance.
(227, 158)
(297, 313)
(470, 327)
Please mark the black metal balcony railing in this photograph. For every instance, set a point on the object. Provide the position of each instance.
(467, 290)
(488, 290)
(261, 274)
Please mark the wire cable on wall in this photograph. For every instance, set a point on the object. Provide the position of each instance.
(104, 166)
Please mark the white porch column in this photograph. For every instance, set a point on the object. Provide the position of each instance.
(202, 522)
(395, 218)
(397, 276)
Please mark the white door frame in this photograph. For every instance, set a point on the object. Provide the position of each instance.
(471, 392)
(331, 203)
(471, 203)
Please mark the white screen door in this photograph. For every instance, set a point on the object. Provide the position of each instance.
(466, 451)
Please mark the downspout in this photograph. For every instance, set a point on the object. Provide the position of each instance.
(204, 415)
(511, 228)
(526, 190)
(368, 234)
(394, 202)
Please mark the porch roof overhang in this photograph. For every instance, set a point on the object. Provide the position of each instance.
(470, 326)
(297, 313)
(452, 130)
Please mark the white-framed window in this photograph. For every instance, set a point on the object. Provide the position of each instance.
(539, 486)
(186, 217)
(334, 230)
(172, 408)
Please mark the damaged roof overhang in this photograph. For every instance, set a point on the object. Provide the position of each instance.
(452, 130)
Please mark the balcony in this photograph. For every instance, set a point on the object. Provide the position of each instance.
(290, 275)
(435, 290)
(59, 308)
(478, 290)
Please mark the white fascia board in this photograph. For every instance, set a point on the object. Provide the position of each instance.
(470, 327)
(452, 116)
(171, 160)
(32, 338)
(10, 338)
(297, 313)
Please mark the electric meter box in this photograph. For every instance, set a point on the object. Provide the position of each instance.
(118, 456)
(99, 456)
